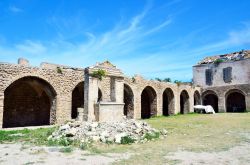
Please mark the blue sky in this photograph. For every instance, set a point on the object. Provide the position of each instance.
(154, 38)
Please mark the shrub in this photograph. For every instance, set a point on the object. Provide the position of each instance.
(100, 74)
(150, 136)
(59, 70)
(218, 61)
(127, 140)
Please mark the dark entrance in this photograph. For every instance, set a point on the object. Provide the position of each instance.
(184, 102)
(77, 99)
(236, 102)
(168, 102)
(128, 97)
(211, 99)
(148, 103)
(29, 101)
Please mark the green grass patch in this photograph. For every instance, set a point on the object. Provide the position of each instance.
(127, 140)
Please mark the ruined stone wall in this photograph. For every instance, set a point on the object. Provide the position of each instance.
(138, 84)
(222, 92)
(240, 73)
(62, 80)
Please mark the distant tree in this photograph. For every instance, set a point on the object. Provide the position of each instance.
(158, 79)
(177, 81)
(167, 79)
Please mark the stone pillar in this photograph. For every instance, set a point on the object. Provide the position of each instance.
(90, 97)
(248, 102)
(119, 89)
(159, 104)
(1, 108)
(221, 104)
(80, 114)
(63, 108)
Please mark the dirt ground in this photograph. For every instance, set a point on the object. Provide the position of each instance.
(221, 139)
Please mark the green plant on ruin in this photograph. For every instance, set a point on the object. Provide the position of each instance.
(100, 74)
(59, 70)
(158, 79)
(218, 61)
(133, 79)
(177, 82)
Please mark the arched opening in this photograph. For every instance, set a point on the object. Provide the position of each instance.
(148, 103)
(184, 102)
(128, 98)
(210, 98)
(99, 95)
(197, 98)
(29, 101)
(235, 101)
(77, 99)
(168, 102)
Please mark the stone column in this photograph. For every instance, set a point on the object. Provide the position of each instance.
(221, 104)
(159, 104)
(119, 89)
(248, 102)
(1, 108)
(90, 97)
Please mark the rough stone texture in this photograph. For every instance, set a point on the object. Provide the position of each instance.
(63, 80)
(216, 94)
(106, 132)
(62, 83)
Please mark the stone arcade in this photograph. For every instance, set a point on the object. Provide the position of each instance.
(49, 94)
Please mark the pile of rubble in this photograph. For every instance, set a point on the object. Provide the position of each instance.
(107, 132)
(244, 54)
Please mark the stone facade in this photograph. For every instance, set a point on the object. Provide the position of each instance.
(62, 90)
(225, 84)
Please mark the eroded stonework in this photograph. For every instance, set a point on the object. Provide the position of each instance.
(61, 90)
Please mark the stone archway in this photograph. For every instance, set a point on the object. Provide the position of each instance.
(29, 101)
(128, 98)
(77, 99)
(235, 101)
(197, 98)
(148, 103)
(211, 98)
(184, 102)
(168, 102)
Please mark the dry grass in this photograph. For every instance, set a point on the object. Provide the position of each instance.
(192, 132)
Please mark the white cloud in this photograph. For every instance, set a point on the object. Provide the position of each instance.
(15, 9)
(31, 47)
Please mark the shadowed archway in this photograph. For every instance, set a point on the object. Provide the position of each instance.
(148, 103)
(77, 99)
(128, 98)
(29, 101)
(184, 102)
(235, 101)
(211, 98)
(168, 102)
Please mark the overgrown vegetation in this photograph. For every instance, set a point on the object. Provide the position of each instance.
(127, 140)
(163, 80)
(59, 70)
(100, 74)
(38, 136)
(150, 136)
(218, 61)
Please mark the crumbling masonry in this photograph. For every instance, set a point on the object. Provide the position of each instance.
(50, 94)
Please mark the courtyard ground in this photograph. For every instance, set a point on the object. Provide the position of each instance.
(192, 139)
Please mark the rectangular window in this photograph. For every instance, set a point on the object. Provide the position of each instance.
(209, 76)
(227, 74)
